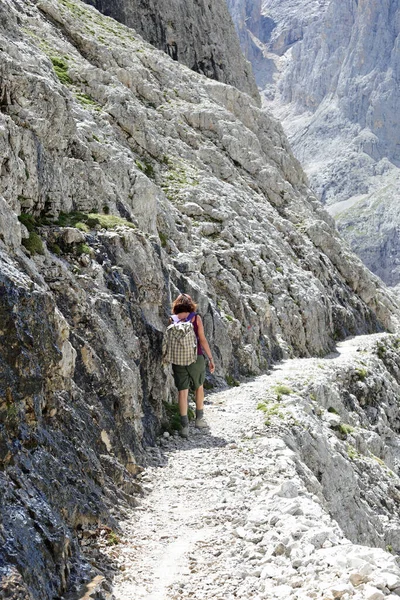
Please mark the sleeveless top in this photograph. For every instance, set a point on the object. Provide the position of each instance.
(175, 318)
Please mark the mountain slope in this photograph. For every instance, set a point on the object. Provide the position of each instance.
(198, 34)
(333, 80)
(134, 177)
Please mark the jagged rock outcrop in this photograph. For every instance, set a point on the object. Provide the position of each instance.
(371, 226)
(133, 177)
(333, 80)
(199, 34)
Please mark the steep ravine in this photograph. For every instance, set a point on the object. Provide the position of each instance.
(134, 177)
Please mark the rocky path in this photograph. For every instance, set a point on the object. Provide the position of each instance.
(233, 513)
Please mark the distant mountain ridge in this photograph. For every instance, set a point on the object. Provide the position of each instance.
(330, 71)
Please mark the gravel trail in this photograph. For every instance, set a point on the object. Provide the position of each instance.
(227, 515)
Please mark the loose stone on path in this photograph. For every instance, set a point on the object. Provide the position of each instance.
(233, 515)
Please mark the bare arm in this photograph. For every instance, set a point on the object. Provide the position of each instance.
(204, 344)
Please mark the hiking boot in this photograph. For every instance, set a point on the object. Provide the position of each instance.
(185, 432)
(201, 423)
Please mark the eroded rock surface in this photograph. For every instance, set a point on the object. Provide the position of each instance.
(329, 71)
(199, 34)
(292, 494)
(134, 177)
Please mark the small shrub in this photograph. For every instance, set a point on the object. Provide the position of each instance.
(83, 248)
(208, 385)
(270, 410)
(113, 539)
(60, 67)
(82, 227)
(231, 381)
(107, 221)
(55, 249)
(84, 222)
(34, 243)
(173, 418)
(345, 429)
(229, 318)
(381, 351)
(362, 373)
(29, 221)
(146, 168)
(283, 390)
(163, 239)
(352, 452)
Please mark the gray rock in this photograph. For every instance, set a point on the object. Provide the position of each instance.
(98, 125)
(334, 87)
(200, 35)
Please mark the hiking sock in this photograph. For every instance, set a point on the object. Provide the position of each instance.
(199, 414)
(184, 421)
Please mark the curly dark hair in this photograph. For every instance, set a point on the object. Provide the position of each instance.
(183, 303)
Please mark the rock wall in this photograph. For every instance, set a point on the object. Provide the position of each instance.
(199, 34)
(332, 79)
(133, 177)
(345, 426)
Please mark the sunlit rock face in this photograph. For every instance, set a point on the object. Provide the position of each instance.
(199, 34)
(134, 178)
(329, 71)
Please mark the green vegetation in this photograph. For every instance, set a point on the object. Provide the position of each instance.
(231, 381)
(146, 168)
(82, 227)
(178, 176)
(60, 67)
(55, 249)
(173, 420)
(381, 351)
(270, 410)
(87, 101)
(352, 452)
(279, 269)
(83, 249)
(333, 410)
(389, 548)
(344, 429)
(208, 385)
(362, 373)
(84, 222)
(283, 390)
(229, 318)
(113, 539)
(163, 238)
(34, 242)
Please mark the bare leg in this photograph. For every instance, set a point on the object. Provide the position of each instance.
(183, 402)
(200, 398)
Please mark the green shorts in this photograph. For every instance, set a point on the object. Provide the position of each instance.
(190, 376)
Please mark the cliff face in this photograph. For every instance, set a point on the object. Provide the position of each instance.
(334, 82)
(199, 34)
(133, 178)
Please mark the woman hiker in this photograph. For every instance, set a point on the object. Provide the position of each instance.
(194, 374)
